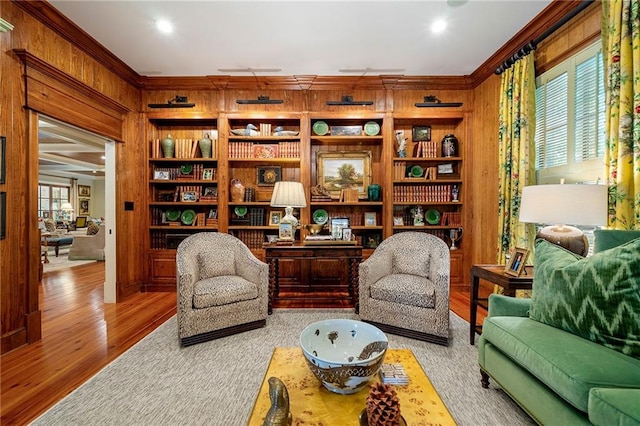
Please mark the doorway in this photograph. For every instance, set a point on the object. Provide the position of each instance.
(84, 161)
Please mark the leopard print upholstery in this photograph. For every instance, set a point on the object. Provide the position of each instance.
(412, 293)
(212, 303)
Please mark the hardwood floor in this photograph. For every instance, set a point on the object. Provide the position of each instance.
(81, 335)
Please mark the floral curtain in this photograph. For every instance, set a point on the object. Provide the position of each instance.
(516, 151)
(621, 53)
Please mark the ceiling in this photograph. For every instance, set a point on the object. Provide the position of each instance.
(240, 38)
(302, 37)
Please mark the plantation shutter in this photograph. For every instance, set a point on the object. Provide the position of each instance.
(551, 122)
(589, 111)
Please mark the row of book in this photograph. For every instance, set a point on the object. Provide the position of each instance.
(199, 172)
(423, 194)
(252, 239)
(184, 148)
(426, 149)
(251, 150)
(255, 216)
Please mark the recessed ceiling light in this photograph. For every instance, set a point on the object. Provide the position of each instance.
(164, 26)
(438, 26)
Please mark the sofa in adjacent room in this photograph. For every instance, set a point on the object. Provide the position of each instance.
(570, 354)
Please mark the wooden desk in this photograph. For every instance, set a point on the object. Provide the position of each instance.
(309, 271)
(312, 404)
(494, 274)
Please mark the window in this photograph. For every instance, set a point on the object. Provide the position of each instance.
(570, 122)
(50, 199)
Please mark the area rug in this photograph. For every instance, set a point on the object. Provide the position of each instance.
(215, 383)
(56, 263)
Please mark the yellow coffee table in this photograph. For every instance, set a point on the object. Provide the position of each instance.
(312, 404)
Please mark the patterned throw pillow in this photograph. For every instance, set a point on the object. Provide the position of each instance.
(92, 228)
(597, 297)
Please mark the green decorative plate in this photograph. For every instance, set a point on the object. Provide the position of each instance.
(432, 216)
(187, 217)
(417, 171)
(320, 128)
(185, 169)
(371, 128)
(320, 216)
(240, 211)
(172, 214)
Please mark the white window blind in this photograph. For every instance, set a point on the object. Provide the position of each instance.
(570, 123)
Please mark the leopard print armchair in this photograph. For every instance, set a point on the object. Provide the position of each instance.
(222, 288)
(404, 287)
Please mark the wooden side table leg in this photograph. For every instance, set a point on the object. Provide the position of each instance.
(473, 308)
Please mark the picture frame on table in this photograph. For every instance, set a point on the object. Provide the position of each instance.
(84, 191)
(517, 260)
(274, 217)
(421, 133)
(370, 219)
(268, 175)
(346, 234)
(285, 231)
(338, 170)
(337, 224)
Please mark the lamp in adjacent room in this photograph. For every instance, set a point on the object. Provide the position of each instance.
(561, 205)
(67, 210)
(289, 195)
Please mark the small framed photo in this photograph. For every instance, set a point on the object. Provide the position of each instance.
(371, 241)
(161, 174)
(285, 231)
(84, 191)
(210, 191)
(398, 221)
(370, 219)
(207, 174)
(83, 208)
(516, 262)
(189, 196)
(268, 176)
(421, 133)
(346, 234)
(274, 217)
(445, 169)
(337, 225)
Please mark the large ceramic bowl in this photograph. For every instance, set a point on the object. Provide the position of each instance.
(343, 354)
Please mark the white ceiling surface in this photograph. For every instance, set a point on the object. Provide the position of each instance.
(302, 37)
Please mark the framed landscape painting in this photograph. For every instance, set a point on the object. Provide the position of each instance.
(338, 170)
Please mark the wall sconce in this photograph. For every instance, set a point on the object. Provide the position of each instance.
(262, 100)
(177, 102)
(348, 100)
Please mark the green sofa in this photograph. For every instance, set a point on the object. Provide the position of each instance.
(570, 354)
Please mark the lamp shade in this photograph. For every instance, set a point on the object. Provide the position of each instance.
(288, 194)
(66, 207)
(564, 204)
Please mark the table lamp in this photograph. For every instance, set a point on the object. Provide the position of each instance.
(67, 208)
(289, 195)
(560, 205)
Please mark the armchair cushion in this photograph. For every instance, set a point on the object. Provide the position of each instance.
(405, 289)
(222, 290)
(411, 263)
(597, 298)
(218, 262)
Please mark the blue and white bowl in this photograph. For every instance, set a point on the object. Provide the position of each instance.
(343, 354)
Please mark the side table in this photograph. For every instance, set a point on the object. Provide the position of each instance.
(494, 274)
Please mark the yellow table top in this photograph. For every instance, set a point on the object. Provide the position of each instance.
(313, 404)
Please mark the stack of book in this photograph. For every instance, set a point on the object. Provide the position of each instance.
(393, 374)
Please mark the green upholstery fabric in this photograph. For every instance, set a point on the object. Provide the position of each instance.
(614, 407)
(609, 238)
(568, 364)
(500, 305)
(596, 297)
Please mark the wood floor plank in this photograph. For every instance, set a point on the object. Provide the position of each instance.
(81, 335)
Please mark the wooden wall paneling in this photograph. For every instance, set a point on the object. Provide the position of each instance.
(294, 100)
(569, 39)
(405, 100)
(318, 100)
(207, 101)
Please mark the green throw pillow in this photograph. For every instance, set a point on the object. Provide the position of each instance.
(597, 297)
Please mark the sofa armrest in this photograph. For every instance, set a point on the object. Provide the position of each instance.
(506, 306)
(614, 406)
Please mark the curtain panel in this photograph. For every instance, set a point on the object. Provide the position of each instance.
(516, 155)
(621, 55)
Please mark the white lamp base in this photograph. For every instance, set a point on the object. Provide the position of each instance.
(569, 237)
(289, 217)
